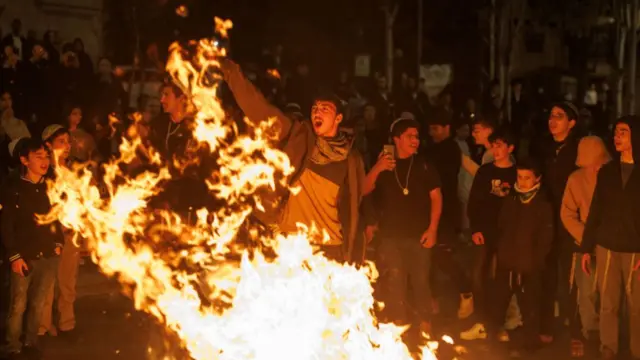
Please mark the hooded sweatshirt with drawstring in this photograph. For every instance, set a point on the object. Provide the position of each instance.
(576, 201)
(614, 216)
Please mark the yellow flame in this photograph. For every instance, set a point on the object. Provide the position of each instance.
(293, 304)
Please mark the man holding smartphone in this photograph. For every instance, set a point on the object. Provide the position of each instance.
(408, 204)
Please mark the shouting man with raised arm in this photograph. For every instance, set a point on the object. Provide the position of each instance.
(328, 171)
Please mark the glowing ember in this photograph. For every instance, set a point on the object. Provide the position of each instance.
(298, 305)
(273, 73)
(182, 11)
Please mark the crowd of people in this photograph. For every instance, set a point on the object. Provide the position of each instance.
(408, 175)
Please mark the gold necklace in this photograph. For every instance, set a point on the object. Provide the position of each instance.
(405, 189)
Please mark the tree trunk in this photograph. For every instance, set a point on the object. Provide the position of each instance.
(390, 16)
(492, 41)
(633, 50)
(420, 31)
(622, 37)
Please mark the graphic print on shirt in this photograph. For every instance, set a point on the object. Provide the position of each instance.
(500, 188)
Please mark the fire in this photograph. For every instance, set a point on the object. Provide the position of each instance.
(223, 300)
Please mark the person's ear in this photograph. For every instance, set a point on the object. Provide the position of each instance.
(572, 123)
(339, 118)
(511, 148)
(24, 160)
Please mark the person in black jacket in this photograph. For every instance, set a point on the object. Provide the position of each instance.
(172, 136)
(612, 232)
(492, 184)
(525, 228)
(33, 248)
(446, 156)
(559, 156)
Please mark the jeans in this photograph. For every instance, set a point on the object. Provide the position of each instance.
(404, 261)
(29, 290)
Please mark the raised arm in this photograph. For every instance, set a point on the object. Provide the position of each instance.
(251, 101)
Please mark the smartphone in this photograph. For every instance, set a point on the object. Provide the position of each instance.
(390, 150)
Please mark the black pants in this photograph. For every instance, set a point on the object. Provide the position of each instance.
(445, 261)
(549, 294)
(405, 262)
(482, 278)
(527, 289)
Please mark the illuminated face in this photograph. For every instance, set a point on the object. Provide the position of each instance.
(501, 150)
(75, 117)
(559, 122)
(325, 119)
(622, 137)
(408, 142)
(527, 179)
(5, 101)
(170, 102)
(481, 134)
(37, 162)
(61, 146)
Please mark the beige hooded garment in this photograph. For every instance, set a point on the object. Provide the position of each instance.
(578, 194)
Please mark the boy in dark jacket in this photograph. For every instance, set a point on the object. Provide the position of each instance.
(612, 233)
(525, 228)
(33, 249)
(492, 184)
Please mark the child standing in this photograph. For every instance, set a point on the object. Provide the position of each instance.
(492, 184)
(33, 248)
(525, 228)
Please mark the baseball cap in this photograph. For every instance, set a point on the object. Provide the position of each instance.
(51, 130)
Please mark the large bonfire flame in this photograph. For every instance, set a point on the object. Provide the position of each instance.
(296, 305)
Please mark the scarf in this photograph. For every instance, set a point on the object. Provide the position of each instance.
(526, 196)
(332, 149)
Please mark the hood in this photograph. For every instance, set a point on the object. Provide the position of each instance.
(592, 152)
(634, 125)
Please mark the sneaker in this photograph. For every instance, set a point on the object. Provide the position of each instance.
(466, 306)
(513, 323)
(477, 332)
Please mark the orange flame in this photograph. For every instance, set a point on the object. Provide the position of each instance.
(298, 305)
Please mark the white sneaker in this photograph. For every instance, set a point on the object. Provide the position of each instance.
(477, 332)
(513, 323)
(466, 306)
